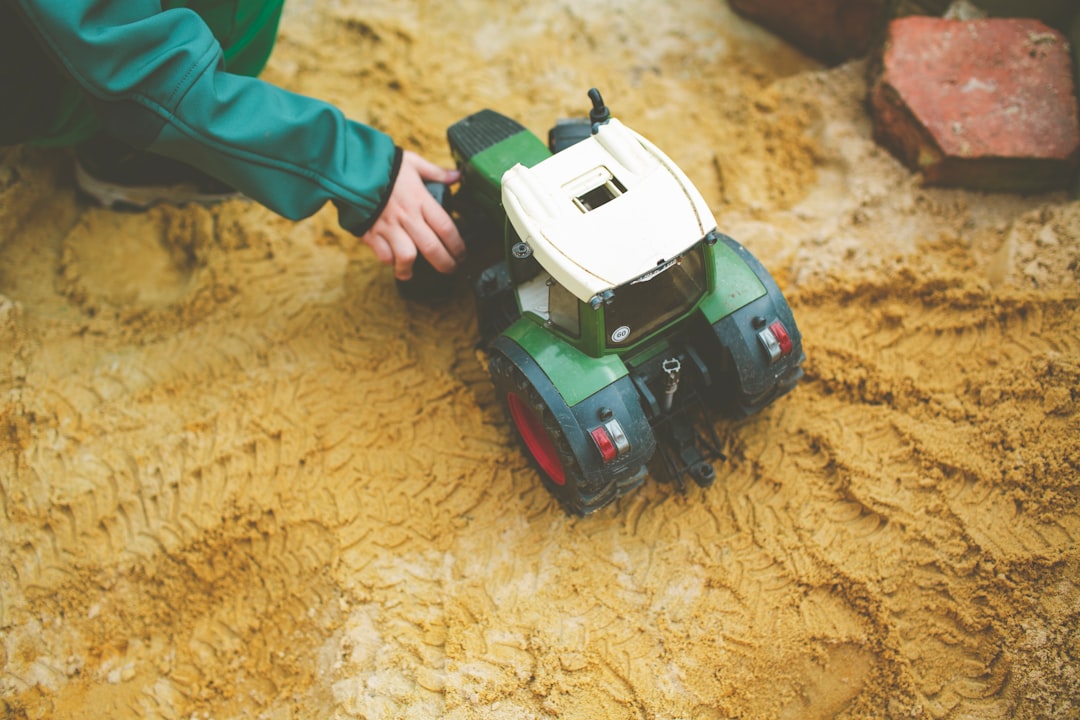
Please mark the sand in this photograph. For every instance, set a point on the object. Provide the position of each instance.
(239, 477)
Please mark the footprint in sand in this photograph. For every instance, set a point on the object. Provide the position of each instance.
(140, 260)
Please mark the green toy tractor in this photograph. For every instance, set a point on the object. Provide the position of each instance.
(617, 319)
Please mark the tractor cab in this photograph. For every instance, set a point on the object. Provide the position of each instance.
(608, 241)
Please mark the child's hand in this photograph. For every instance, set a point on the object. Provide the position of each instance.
(414, 221)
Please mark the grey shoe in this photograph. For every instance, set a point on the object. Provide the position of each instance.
(119, 176)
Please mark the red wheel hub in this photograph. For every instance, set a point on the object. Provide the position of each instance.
(536, 438)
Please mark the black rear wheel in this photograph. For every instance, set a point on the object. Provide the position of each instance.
(545, 439)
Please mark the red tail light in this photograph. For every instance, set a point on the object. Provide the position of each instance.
(604, 444)
(610, 440)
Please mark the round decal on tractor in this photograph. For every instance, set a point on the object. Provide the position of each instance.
(621, 333)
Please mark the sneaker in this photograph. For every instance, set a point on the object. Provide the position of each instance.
(119, 176)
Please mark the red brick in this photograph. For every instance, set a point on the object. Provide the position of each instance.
(829, 30)
(987, 104)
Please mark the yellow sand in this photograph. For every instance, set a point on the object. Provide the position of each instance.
(240, 478)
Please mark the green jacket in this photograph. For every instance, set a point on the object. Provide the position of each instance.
(157, 79)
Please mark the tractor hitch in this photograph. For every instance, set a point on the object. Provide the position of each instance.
(676, 416)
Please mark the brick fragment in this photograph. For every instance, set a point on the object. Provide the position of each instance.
(828, 30)
(986, 104)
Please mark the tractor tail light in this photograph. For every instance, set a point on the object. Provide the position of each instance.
(604, 444)
(775, 340)
(610, 440)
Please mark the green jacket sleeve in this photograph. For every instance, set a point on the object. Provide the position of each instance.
(158, 81)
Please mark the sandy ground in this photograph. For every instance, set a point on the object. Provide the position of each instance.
(240, 478)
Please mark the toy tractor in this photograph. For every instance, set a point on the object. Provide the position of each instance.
(617, 319)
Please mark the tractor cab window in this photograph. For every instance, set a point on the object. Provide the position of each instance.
(563, 309)
(654, 299)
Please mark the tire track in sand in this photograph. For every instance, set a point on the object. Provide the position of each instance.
(919, 509)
